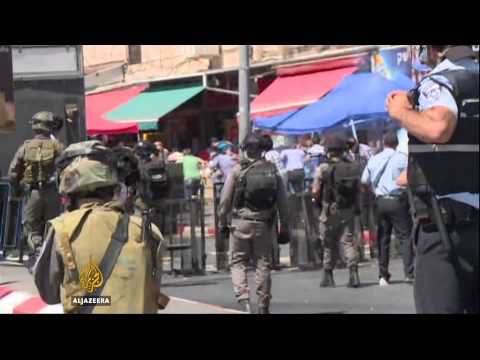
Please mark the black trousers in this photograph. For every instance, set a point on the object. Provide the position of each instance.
(442, 284)
(296, 181)
(393, 213)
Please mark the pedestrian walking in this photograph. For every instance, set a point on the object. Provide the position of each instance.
(294, 162)
(336, 186)
(392, 206)
(32, 175)
(192, 177)
(252, 195)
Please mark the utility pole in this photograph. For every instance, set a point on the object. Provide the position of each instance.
(244, 96)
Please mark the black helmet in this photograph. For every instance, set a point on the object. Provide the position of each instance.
(252, 143)
(266, 142)
(335, 143)
(144, 149)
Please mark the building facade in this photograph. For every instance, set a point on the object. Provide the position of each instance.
(213, 111)
(111, 64)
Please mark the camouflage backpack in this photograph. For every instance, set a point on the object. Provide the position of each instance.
(39, 160)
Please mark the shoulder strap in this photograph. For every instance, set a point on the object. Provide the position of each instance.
(65, 236)
(381, 172)
(244, 172)
(119, 238)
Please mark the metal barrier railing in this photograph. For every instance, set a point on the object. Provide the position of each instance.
(182, 223)
(10, 221)
(222, 244)
(303, 225)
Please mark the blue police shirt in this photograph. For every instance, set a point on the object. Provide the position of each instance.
(432, 94)
(397, 162)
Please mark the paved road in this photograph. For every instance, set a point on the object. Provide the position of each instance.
(299, 292)
(295, 292)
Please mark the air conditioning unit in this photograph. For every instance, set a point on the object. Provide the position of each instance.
(202, 51)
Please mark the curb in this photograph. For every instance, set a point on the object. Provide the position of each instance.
(19, 302)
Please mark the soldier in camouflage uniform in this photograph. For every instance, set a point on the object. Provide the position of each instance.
(338, 209)
(252, 196)
(32, 174)
(83, 236)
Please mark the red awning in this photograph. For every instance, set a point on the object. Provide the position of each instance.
(299, 86)
(99, 104)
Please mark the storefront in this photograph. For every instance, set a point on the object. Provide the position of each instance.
(181, 112)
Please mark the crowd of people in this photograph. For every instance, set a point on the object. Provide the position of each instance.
(434, 215)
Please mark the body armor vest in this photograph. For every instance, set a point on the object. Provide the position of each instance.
(341, 183)
(82, 237)
(452, 167)
(256, 186)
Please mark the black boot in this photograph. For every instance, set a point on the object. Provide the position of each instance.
(354, 280)
(327, 280)
(246, 306)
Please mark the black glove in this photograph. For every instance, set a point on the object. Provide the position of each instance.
(225, 232)
(283, 236)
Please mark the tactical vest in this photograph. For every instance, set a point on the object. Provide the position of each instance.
(451, 167)
(257, 186)
(82, 237)
(341, 183)
(39, 161)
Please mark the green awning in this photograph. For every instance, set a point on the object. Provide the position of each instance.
(148, 126)
(150, 105)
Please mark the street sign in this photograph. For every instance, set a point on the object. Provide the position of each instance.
(47, 62)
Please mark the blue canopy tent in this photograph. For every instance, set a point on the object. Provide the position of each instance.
(358, 97)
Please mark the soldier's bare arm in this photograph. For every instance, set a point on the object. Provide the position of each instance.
(48, 270)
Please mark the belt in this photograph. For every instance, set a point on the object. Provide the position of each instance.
(392, 197)
(453, 213)
(251, 219)
(40, 186)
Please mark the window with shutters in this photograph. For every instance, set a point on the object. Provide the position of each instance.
(134, 54)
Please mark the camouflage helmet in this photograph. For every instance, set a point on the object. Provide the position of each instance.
(46, 121)
(85, 167)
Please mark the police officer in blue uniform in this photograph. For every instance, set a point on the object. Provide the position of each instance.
(381, 173)
(441, 116)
